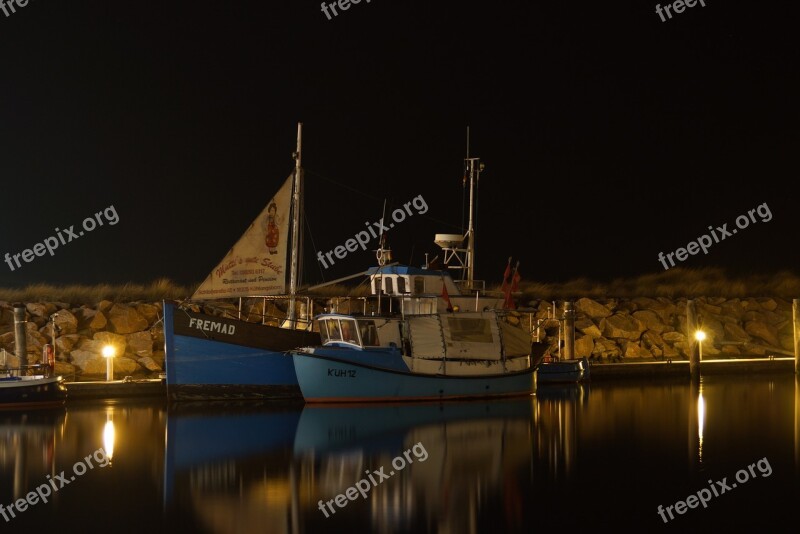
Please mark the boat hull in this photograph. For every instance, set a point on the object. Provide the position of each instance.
(32, 392)
(564, 371)
(325, 379)
(212, 358)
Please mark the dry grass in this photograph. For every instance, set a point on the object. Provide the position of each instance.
(675, 283)
(162, 288)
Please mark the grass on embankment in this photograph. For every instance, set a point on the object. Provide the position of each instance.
(675, 283)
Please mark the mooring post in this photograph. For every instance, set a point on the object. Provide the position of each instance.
(796, 320)
(20, 336)
(569, 330)
(694, 345)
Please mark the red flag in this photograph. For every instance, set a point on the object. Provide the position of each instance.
(511, 285)
(506, 275)
(446, 296)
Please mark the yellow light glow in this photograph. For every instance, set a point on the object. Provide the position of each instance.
(108, 351)
(699, 335)
(108, 439)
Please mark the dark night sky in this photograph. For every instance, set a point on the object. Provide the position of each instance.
(608, 135)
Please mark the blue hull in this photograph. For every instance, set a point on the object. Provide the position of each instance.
(212, 435)
(228, 359)
(377, 427)
(324, 379)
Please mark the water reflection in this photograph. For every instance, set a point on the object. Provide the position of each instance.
(477, 460)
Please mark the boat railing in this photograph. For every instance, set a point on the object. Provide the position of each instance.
(262, 315)
(25, 370)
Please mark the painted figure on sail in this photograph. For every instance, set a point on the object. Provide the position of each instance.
(273, 233)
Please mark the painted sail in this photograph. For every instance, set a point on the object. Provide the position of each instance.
(256, 264)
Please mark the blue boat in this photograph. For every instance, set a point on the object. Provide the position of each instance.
(213, 358)
(212, 354)
(454, 355)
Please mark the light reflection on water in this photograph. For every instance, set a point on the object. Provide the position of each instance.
(570, 456)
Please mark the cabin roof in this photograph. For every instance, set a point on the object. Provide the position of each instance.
(405, 269)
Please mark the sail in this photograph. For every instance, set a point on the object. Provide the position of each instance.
(256, 264)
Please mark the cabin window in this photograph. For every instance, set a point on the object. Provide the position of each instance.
(349, 331)
(472, 330)
(389, 286)
(319, 326)
(401, 285)
(419, 285)
(369, 334)
(333, 330)
(376, 286)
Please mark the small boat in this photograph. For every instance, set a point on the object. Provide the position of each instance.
(562, 371)
(37, 391)
(211, 355)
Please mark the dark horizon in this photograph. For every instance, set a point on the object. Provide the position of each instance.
(608, 135)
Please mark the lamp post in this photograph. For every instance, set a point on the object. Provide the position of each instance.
(108, 354)
(700, 336)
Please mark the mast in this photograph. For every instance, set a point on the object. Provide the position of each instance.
(474, 167)
(296, 191)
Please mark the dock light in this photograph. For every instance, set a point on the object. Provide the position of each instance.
(700, 336)
(108, 354)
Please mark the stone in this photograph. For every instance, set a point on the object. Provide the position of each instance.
(140, 343)
(651, 339)
(631, 349)
(80, 358)
(150, 313)
(622, 326)
(787, 342)
(104, 306)
(651, 320)
(591, 308)
(67, 343)
(37, 309)
(730, 350)
(584, 346)
(705, 309)
(587, 326)
(734, 332)
(767, 304)
(65, 370)
(713, 329)
(673, 337)
(149, 364)
(124, 319)
(66, 322)
(762, 331)
(733, 308)
(91, 319)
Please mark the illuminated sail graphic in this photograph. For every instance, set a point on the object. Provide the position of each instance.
(256, 264)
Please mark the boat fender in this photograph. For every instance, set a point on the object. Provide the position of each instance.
(48, 355)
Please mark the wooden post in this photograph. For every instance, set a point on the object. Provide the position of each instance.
(691, 328)
(796, 318)
(569, 331)
(21, 336)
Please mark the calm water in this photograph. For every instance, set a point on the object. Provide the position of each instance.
(605, 454)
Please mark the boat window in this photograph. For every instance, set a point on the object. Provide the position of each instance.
(401, 284)
(333, 330)
(319, 326)
(473, 330)
(369, 334)
(349, 331)
(389, 286)
(419, 285)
